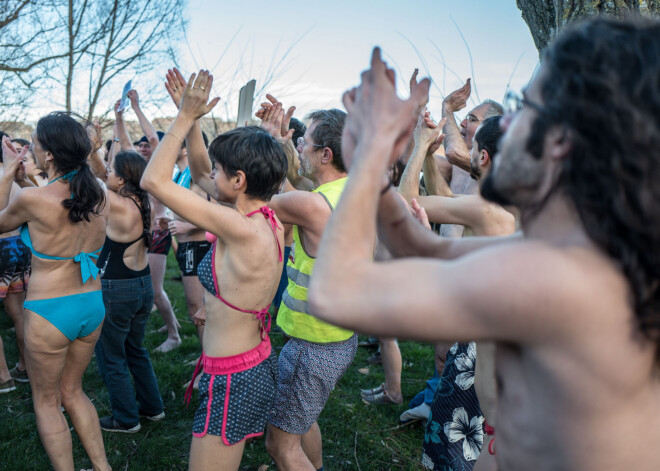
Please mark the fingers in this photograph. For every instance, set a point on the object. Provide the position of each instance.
(348, 99)
(413, 79)
(271, 98)
(288, 115)
(420, 92)
(212, 104)
(178, 76)
(377, 64)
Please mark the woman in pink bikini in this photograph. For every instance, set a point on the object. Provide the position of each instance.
(240, 273)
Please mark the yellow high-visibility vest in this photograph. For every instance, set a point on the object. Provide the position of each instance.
(293, 316)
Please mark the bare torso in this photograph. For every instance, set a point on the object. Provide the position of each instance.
(585, 399)
(248, 274)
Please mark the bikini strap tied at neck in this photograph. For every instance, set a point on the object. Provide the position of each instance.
(66, 177)
(270, 215)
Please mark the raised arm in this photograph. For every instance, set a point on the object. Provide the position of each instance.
(349, 289)
(198, 157)
(147, 128)
(455, 148)
(227, 223)
(428, 137)
(276, 122)
(95, 158)
(125, 142)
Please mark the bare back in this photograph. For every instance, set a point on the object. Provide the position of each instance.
(248, 273)
(52, 233)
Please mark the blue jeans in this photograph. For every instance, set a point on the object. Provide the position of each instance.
(119, 350)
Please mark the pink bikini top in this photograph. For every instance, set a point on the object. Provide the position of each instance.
(207, 274)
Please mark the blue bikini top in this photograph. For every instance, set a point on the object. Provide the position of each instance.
(87, 265)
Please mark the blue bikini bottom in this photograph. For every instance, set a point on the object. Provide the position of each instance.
(77, 315)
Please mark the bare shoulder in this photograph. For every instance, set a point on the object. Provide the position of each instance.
(302, 208)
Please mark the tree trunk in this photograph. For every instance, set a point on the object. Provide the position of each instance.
(546, 18)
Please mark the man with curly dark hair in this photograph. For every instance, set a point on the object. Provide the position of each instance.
(573, 303)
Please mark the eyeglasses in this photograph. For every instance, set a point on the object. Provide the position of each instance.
(143, 145)
(514, 102)
(301, 143)
(470, 118)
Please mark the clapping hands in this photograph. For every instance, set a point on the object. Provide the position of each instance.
(275, 120)
(377, 114)
(175, 85)
(428, 134)
(195, 101)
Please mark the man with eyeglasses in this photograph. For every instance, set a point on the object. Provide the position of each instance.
(317, 354)
(573, 303)
(458, 142)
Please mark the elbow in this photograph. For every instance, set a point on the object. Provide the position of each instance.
(452, 156)
(147, 182)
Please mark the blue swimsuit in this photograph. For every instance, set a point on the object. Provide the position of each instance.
(77, 315)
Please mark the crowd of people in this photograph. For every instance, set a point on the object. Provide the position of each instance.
(522, 242)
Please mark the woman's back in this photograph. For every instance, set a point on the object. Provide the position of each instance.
(53, 234)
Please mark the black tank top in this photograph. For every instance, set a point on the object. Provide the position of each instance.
(111, 261)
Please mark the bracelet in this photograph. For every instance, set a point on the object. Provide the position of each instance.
(174, 135)
(116, 139)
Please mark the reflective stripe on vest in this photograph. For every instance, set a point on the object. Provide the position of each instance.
(293, 316)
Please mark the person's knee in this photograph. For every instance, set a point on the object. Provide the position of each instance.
(70, 394)
(271, 445)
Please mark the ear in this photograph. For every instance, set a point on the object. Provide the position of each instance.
(558, 142)
(326, 158)
(484, 158)
(239, 180)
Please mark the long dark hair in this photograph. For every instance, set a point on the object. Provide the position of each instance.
(600, 84)
(130, 166)
(67, 140)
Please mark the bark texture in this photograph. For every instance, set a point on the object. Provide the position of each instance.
(546, 18)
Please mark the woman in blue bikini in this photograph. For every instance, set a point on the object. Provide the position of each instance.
(64, 224)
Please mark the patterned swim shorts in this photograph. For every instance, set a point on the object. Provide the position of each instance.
(161, 241)
(236, 394)
(308, 372)
(15, 260)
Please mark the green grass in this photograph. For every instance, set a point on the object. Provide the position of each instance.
(355, 435)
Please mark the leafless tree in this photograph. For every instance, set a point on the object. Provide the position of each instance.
(78, 48)
(546, 18)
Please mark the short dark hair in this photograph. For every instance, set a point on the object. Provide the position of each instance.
(327, 133)
(21, 141)
(488, 135)
(257, 154)
(600, 85)
(299, 129)
(67, 139)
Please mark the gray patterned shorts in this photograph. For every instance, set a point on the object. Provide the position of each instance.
(307, 374)
(235, 394)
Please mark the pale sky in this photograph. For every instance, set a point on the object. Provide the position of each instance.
(327, 45)
(313, 51)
